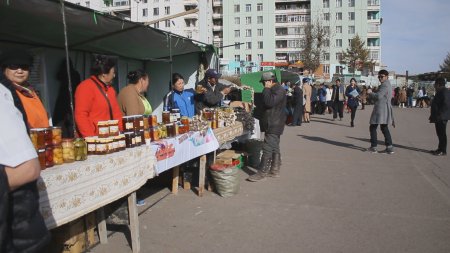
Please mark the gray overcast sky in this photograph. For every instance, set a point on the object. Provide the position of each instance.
(415, 34)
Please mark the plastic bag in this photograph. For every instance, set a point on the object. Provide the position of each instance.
(226, 181)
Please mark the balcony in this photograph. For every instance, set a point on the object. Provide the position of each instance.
(190, 2)
(373, 4)
(217, 3)
(217, 39)
(119, 6)
(217, 15)
(191, 16)
(217, 28)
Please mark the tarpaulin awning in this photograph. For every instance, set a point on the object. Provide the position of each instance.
(40, 23)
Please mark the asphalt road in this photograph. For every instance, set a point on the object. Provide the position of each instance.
(332, 196)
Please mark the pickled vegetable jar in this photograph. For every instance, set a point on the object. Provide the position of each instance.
(68, 150)
(80, 149)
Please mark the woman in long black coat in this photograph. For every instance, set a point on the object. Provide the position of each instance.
(297, 98)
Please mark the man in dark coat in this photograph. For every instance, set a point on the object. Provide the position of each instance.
(212, 92)
(272, 124)
(338, 98)
(297, 98)
(440, 114)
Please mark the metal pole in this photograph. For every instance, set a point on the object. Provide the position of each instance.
(171, 62)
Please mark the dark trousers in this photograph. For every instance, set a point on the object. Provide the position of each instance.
(409, 102)
(297, 116)
(321, 107)
(441, 131)
(353, 111)
(338, 107)
(271, 144)
(384, 130)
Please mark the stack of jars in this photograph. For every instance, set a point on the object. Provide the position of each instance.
(53, 150)
(211, 115)
(108, 140)
(174, 124)
(133, 127)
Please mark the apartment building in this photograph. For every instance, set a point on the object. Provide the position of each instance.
(344, 19)
(196, 26)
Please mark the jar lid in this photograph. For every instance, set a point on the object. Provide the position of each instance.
(113, 121)
(102, 123)
(67, 140)
(128, 117)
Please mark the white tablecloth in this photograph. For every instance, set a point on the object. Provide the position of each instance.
(72, 190)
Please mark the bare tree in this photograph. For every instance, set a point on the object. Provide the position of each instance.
(314, 47)
(356, 57)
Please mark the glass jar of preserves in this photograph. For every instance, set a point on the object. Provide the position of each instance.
(122, 142)
(56, 135)
(110, 144)
(103, 129)
(166, 117)
(68, 150)
(170, 128)
(138, 122)
(58, 155)
(207, 114)
(152, 120)
(138, 139)
(101, 147)
(41, 157)
(80, 149)
(38, 138)
(49, 157)
(91, 142)
(154, 133)
(176, 114)
(185, 120)
(129, 139)
(113, 127)
(147, 136)
(146, 121)
(48, 136)
(128, 123)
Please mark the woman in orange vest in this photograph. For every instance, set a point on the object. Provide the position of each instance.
(95, 98)
(16, 70)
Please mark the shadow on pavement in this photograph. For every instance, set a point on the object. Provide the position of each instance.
(331, 142)
(395, 145)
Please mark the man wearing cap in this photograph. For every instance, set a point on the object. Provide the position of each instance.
(272, 124)
(212, 91)
(16, 70)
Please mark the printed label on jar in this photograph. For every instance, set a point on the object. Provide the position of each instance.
(138, 139)
(91, 147)
(116, 145)
(111, 146)
(129, 125)
(114, 129)
(141, 123)
(101, 147)
(122, 143)
(103, 130)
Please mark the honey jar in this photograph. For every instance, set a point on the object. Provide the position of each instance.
(138, 139)
(170, 128)
(138, 123)
(122, 142)
(101, 147)
(103, 129)
(113, 127)
(154, 133)
(91, 142)
(166, 117)
(41, 157)
(110, 144)
(129, 140)
(37, 138)
(175, 112)
(152, 120)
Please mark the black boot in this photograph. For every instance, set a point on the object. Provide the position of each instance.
(276, 164)
(263, 169)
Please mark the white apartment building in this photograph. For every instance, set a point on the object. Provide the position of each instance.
(196, 26)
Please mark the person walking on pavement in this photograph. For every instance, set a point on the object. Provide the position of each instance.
(352, 92)
(272, 124)
(440, 114)
(297, 99)
(409, 96)
(382, 114)
(307, 92)
(338, 98)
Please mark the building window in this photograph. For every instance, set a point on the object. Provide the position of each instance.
(351, 29)
(326, 16)
(237, 57)
(338, 3)
(326, 3)
(248, 57)
(167, 10)
(248, 33)
(237, 33)
(326, 56)
(237, 45)
(260, 45)
(338, 15)
(326, 69)
(326, 29)
(156, 25)
(260, 32)
(259, 7)
(248, 20)
(155, 11)
(249, 45)
(338, 42)
(189, 34)
(167, 22)
(338, 29)
(351, 3)
(248, 8)
(144, 12)
(280, 19)
(374, 55)
(260, 57)
(237, 8)
(338, 56)
(259, 19)
(237, 21)
(351, 16)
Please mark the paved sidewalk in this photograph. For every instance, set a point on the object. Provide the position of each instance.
(331, 197)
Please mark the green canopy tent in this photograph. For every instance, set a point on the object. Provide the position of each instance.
(253, 79)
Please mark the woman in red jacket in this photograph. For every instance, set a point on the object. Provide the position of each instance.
(95, 98)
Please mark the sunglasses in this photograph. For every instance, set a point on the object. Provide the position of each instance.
(18, 66)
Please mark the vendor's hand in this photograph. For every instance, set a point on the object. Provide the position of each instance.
(226, 90)
(202, 90)
(393, 124)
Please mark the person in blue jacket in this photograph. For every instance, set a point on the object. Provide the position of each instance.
(181, 98)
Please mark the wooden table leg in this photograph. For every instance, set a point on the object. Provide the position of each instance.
(101, 225)
(175, 178)
(201, 177)
(134, 223)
